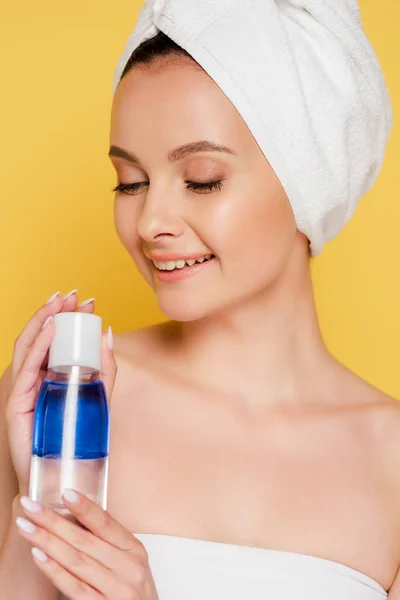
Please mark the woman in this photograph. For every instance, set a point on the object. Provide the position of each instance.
(246, 461)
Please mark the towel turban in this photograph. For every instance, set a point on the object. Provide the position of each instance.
(306, 81)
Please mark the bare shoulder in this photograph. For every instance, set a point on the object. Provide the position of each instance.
(133, 342)
(381, 411)
(385, 426)
(384, 418)
(145, 345)
(142, 355)
(380, 416)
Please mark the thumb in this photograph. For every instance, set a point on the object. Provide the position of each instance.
(108, 363)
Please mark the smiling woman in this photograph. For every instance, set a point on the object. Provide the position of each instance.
(205, 183)
(245, 460)
(254, 276)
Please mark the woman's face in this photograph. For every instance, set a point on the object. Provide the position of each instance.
(244, 219)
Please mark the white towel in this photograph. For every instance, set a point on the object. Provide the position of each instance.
(308, 84)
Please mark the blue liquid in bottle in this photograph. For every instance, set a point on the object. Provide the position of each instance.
(70, 438)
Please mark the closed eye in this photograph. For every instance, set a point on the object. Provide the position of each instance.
(126, 187)
(199, 188)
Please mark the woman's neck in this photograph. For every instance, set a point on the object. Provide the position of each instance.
(267, 350)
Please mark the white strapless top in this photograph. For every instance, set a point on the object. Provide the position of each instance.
(191, 569)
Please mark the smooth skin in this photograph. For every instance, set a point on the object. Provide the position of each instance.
(232, 422)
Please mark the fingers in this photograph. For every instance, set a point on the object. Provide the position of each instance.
(31, 350)
(64, 581)
(31, 330)
(101, 523)
(79, 564)
(28, 335)
(86, 306)
(77, 537)
(80, 551)
(21, 400)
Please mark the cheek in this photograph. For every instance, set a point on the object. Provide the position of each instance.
(274, 229)
(257, 232)
(126, 215)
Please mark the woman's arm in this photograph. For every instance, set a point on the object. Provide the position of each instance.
(19, 576)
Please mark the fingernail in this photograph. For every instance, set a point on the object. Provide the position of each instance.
(25, 525)
(37, 553)
(87, 302)
(47, 321)
(69, 294)
(28, 504)
(110, 338)
(71, 496)
(53, 297)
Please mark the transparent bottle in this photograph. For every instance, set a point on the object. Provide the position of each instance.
(70, 440)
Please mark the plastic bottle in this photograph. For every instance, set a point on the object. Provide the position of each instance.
(70, 439)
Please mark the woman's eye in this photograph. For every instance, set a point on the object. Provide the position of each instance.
(125, 188)
(206, 187)
(202, 188)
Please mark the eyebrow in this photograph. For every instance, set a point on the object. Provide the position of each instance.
(177, 154)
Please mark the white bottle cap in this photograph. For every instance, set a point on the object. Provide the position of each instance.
(77, 342)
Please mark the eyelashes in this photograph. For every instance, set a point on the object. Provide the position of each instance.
(197, 187)
(208, 186)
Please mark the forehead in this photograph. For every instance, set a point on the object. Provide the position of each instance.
(175, 101)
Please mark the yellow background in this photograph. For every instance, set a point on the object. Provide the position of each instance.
(56, 208)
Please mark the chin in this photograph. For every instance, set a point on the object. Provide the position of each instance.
(192, 305)
(185, 307)
(179, 311)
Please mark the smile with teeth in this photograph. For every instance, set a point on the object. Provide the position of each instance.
(170, 265)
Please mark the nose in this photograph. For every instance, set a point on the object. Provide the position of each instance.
(160, 217)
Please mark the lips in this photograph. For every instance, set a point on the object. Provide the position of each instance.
(174, 275)
(174, 256)
(170, 265)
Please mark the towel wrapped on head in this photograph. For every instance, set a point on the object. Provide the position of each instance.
(306, 81)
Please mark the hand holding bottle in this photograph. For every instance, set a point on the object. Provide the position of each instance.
(102, 559)
(29, 367)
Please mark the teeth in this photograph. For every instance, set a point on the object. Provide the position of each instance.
(170, 265)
